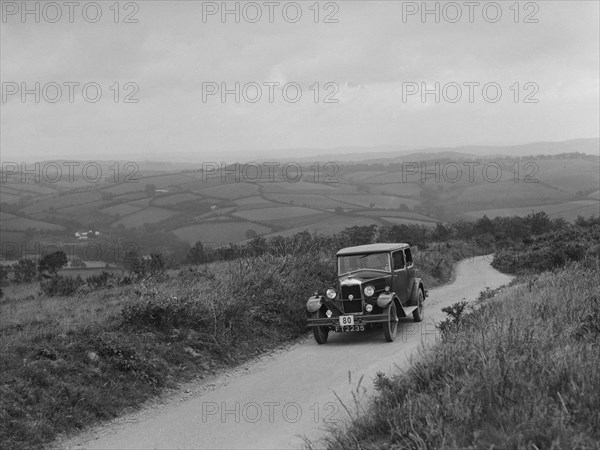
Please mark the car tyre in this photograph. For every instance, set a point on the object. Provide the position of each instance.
(321, 333)
(391, 326)
(418, 313)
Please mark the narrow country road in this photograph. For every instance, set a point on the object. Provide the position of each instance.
(274, 401)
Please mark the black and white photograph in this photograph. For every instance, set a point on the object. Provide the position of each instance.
(310, 224)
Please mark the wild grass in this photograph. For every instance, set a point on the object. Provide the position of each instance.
(519, 372)
(68, 362)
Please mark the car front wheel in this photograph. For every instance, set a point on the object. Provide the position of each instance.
(391, 326)
(321, 333)
(418, 313)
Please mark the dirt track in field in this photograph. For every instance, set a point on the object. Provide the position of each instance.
(273, 401)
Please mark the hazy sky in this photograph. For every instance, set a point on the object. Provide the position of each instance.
(376, 59)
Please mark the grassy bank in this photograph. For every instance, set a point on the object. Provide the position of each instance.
(69, 362)
(520, 372)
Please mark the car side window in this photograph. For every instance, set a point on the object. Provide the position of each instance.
(398, 258)
(409, 260)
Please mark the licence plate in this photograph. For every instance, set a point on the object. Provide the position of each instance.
(348, 328)
(346, 320)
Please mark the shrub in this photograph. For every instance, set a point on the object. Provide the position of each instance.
(61, 285)
(549, 251)
(102, 280)
(25, 270)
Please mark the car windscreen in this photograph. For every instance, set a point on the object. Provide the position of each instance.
(373, 261)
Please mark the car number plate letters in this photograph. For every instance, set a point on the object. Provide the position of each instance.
(348, 328)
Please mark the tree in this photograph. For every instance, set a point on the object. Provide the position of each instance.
(196, 254)
(53, 262)
(251, 234)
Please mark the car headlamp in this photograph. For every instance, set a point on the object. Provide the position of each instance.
(331, 294)
(369, 291)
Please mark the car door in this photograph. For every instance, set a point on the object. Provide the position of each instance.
(400, 276)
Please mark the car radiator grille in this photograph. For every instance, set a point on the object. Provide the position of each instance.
(352, 306)
(351, 290)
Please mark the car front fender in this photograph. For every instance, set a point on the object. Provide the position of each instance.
(314, 303)
(414, 292)
(384, 299)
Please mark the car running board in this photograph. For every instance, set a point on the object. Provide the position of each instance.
(408, 310)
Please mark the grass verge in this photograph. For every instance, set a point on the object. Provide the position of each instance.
(519, 372)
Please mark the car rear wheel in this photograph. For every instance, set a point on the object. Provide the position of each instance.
(321, 333)
(391, 326)
(418, 313)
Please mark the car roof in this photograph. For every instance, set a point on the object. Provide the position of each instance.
(372, 248)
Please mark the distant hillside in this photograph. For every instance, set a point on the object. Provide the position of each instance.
(233, 206)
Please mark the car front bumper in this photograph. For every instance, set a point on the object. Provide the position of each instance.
(335, 321)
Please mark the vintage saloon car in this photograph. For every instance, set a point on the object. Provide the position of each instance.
(376, 286)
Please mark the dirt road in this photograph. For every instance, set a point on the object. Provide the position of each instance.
(271, 402)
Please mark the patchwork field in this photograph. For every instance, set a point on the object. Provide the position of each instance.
(85, 208)
(21, 223)
(276, 214)
(301, 187)
(121, 209)
(367, 192)
(570, 175)
(218, 232)
(397, 189)
(308, 200)
(509, 193)
(174, 199)
(374, 201)
(231, 191)
(148, 215)
(254, 202)
(63, 201)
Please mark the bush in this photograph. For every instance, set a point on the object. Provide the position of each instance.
(103, 280)
(61, 285)
(549, 251)
(25, 270)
